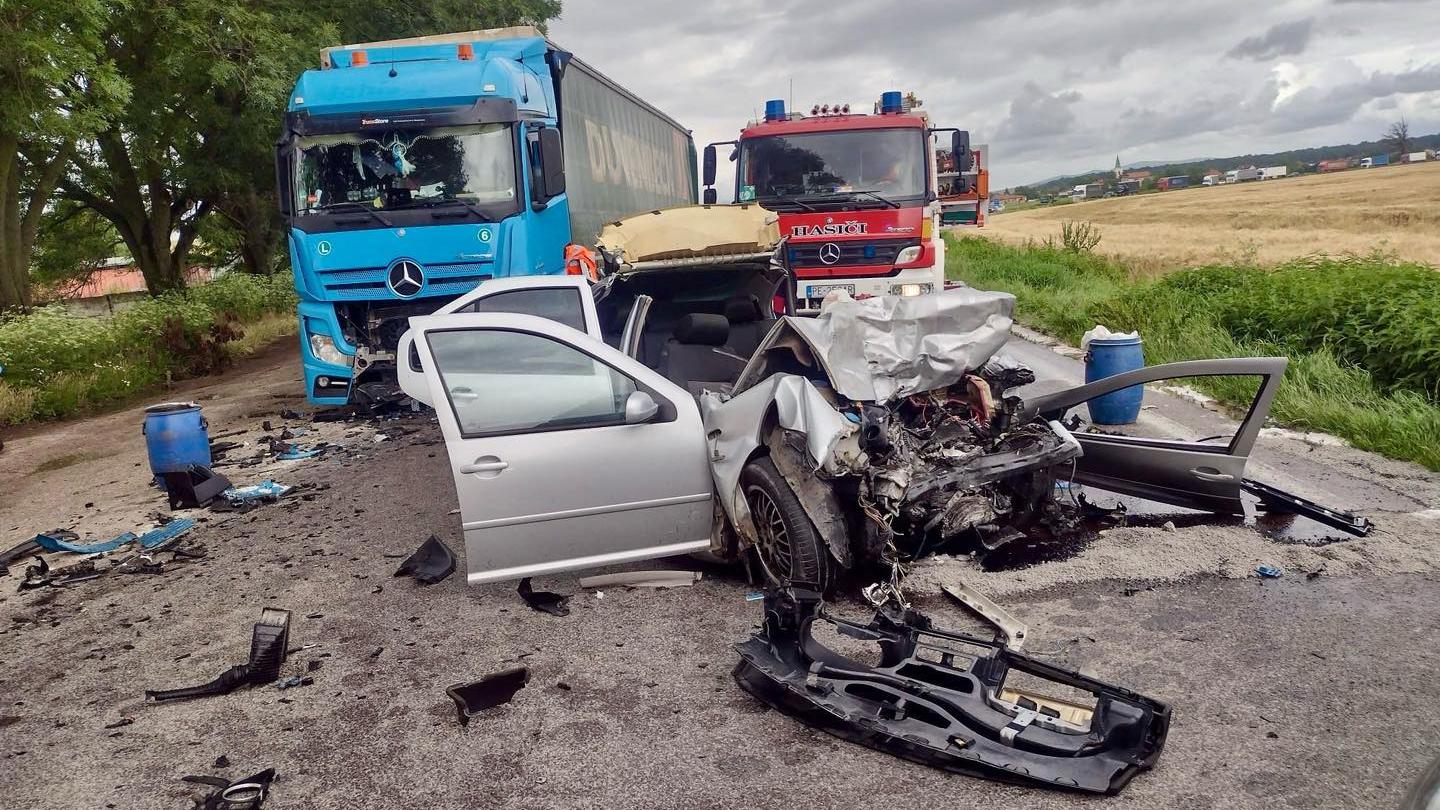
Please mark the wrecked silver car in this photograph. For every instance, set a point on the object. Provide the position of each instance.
(673, 408)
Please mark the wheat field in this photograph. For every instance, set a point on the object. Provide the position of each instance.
(1395, 209)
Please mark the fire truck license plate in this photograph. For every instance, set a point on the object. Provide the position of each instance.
(819, 290)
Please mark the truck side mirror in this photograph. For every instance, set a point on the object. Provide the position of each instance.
(284, 179)
(552, 163)
(709, 196)
(708, 170)
(960, 148)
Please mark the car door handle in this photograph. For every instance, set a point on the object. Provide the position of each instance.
(1210, 474)
(485, 464)
(463, 394)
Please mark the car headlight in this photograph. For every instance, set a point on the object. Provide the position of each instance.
(908, 255)
(325, 350)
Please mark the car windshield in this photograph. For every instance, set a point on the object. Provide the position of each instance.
(885, 162)
(407, 167)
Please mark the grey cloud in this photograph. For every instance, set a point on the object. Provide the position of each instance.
(1284, 39)
(1038, 115)
(1051, 85)
(1322, 106)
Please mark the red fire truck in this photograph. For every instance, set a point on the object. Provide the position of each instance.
(857, 194)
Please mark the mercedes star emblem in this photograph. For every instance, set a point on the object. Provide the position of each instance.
(405, 278)
(829, 253)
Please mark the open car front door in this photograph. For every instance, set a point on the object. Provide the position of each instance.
(1202, 474)
(566, 454)
(563, 299)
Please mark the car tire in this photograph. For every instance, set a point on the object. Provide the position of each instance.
(789, 548)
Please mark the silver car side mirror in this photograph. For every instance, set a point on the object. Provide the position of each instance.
(640, 407)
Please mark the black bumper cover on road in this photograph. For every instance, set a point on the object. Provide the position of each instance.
(935, 699)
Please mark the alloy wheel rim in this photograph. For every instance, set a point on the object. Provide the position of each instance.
(773, 539)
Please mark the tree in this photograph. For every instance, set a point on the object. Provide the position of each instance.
(53, 91)
(247, 224)
(1398, 136)
(71, 245)
(198, 69)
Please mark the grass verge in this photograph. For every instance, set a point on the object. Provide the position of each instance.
(1362, 332)
(57, 364)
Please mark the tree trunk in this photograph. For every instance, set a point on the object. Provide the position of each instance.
(14, 269)
(254, 217)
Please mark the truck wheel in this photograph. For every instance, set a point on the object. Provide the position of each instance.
(789, 548)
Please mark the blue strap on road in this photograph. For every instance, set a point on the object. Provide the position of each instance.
(52, 543)
(150, 539)
(166, 533)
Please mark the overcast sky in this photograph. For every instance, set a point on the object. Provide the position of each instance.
(1053, 87)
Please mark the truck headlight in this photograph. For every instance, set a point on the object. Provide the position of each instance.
(908, 255)
(325, 350)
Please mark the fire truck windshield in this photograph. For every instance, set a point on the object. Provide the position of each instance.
(858, 166)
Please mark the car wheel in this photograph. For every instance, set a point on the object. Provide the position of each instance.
(788, 547)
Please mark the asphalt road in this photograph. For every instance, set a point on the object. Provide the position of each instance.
(1303, 692)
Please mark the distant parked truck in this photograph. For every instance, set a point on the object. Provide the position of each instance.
(1416, 157)
(1242, 175)
(1170, 183)
(1334, 165)
(1211, 180)
(1088, 191)
(1272, 172)
(1375, 160)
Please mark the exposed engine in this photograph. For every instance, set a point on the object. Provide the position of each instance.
(952, 464)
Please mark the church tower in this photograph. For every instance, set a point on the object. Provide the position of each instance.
(1118, 171)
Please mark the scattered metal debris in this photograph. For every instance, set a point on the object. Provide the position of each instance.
(642, 579)
(294, 681)
(1268, 571)
(544, 601)
(194, 488)
(488, 692)
(1009, 629)
(268, 642)
(243, 794)
(431, 563)
(946, 699)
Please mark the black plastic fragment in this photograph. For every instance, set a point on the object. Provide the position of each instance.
(487, 693)
(242, 794)
(268, 642)
(431, 563)
(946, 699)
(195, 487)
(543, 601)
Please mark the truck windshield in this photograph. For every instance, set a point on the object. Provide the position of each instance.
(403, 168)
(885, 162)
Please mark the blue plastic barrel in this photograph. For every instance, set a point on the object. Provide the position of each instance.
(1106, 358)
(176, 437)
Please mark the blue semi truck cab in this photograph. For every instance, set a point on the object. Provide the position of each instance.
(410, 171)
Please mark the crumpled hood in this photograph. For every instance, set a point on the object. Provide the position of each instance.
(884, 348)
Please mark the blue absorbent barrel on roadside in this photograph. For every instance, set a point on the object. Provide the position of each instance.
(1106, 358)
(176, 437)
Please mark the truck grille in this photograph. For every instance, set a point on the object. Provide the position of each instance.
(851, 253)
(368, 283)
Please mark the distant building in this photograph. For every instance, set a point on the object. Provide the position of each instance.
(116, 284)
(1118, 170)
(1137, 174)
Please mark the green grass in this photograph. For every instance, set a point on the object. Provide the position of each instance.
(1362, 332)
(57, 364)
